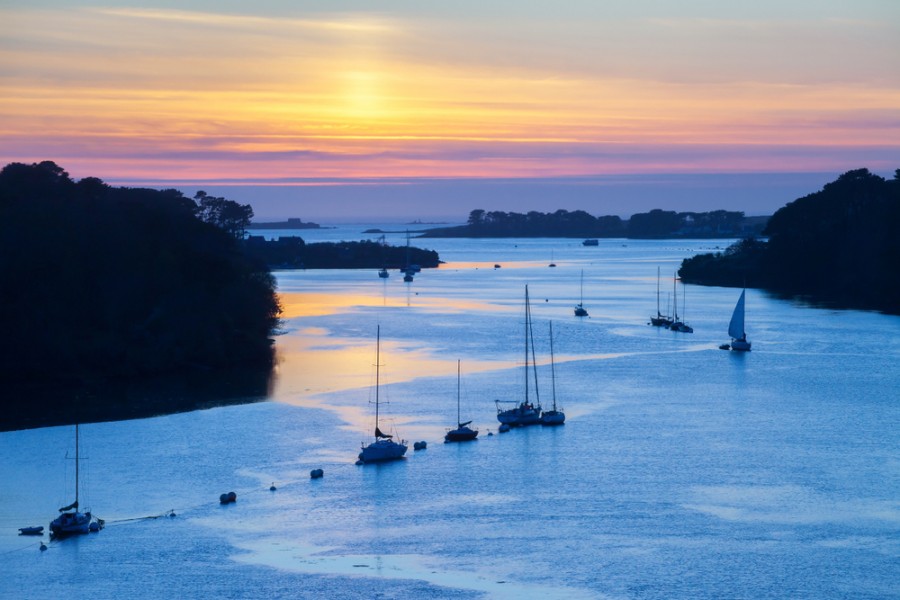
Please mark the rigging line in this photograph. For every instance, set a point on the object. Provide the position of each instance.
(32, 544)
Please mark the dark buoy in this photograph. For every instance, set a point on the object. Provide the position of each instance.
(228, 498)
(316, 474)
(420, 445)
(272, 487)
(43, 547)
(503, 428)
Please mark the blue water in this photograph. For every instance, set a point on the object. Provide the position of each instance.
(683, 471)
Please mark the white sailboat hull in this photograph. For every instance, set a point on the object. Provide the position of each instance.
(553, 417)
(382, 450)
(740, 345)
(73, 523)
(523, 414)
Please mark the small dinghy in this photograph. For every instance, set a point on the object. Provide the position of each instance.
(38, 530)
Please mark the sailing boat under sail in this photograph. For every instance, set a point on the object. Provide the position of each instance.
(384, 448)
(736, 326)
(462, 433)
(72, 521)
(525, 412)
(554, 416)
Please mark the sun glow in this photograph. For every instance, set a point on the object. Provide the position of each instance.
(190, 94)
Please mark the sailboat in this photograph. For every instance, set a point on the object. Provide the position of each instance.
(462, 433)
(675, 324)
(384, 448)
(684, 327)
(72, 521)
(409, 269)
(580, 311)
(555, 416)
(736, 327)
(659, 320)
(525, 412)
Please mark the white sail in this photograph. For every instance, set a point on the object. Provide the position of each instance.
(736, 326)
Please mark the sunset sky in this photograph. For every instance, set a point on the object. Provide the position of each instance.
(428, 110)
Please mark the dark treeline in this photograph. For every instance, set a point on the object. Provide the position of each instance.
(104, 282)
(293, 253)
(839, 246)
(579, 224)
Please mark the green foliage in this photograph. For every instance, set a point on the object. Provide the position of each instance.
(293, 253)
(121, 282)
(225, 214)
(562, 223)
(840, 244)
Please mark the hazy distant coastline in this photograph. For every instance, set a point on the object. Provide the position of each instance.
(656, 224)
(291, 223)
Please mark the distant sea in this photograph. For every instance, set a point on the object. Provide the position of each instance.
(683, 471)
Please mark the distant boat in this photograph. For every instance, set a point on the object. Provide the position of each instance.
(590, 242)
(384, 448)
(525, 412)
(736, 327)
(72, 521)
(383, 273)
(684, 327)
(410, 269)
(462, 433)
(675, 324)
(580, 311)
(659, 320)
(554, 416)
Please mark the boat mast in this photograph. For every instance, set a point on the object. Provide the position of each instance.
(657, 291)
(552, 367)
(530, 333)
(377, 373)
(675, 296)
(76, 466)
(458, 420)
(526, 343)
(582, 288)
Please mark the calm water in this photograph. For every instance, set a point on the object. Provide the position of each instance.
(683, 471)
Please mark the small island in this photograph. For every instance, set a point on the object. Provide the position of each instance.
(837, 247)
(291, 223)
(656, 224)
(293, 252)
